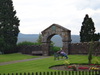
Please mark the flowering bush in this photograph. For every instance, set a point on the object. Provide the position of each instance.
(91, 64)
(83, 68)
(73, 67)
(66, 62)
(98, 65)
(69, 67)
(93, 68)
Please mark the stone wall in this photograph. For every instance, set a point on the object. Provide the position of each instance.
(75, 48)
(83, 48)
(32, 50)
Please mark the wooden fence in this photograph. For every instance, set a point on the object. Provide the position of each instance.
(58, 73)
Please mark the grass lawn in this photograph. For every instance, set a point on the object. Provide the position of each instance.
(14, 56)
(40, 65)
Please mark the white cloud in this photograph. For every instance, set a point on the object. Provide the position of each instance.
(36, 15)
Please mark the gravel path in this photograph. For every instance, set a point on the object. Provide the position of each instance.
(17, 61)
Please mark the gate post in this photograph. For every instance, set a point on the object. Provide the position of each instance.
(66, 47)
(45, 48)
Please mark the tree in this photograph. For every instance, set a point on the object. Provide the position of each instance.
(91, 48)
(87, 32)
(8, 24)
(2, 45)
(39, 40)
(96, 37)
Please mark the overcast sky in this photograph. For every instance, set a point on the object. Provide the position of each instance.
(37, 15)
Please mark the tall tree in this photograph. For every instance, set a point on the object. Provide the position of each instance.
(87, 32)
(8, 24)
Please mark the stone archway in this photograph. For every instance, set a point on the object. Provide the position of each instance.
(52, 30)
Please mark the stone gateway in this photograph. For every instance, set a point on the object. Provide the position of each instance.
(52, 30)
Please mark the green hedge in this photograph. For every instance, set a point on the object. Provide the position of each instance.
(28, 43)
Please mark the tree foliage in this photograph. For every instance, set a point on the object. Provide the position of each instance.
(87, 32)
(8, 24)
(39, 40)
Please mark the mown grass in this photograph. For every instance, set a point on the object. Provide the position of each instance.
(14, 56)
(40, 65)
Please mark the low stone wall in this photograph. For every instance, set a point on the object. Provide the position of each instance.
(32, 50)
(75, 48)
(83, 48)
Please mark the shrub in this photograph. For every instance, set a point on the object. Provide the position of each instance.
(66, 63)
(95, 61)
(27, 43)
(93, 68)
(74, 67)
(83, 68)
(55, 48)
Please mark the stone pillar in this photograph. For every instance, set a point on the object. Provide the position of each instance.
(45, 49)
(66, 38)
(66, 46)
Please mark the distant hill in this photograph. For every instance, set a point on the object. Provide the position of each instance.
(27, 37)
(56, 39)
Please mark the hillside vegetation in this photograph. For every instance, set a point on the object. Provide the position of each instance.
(56, 39)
